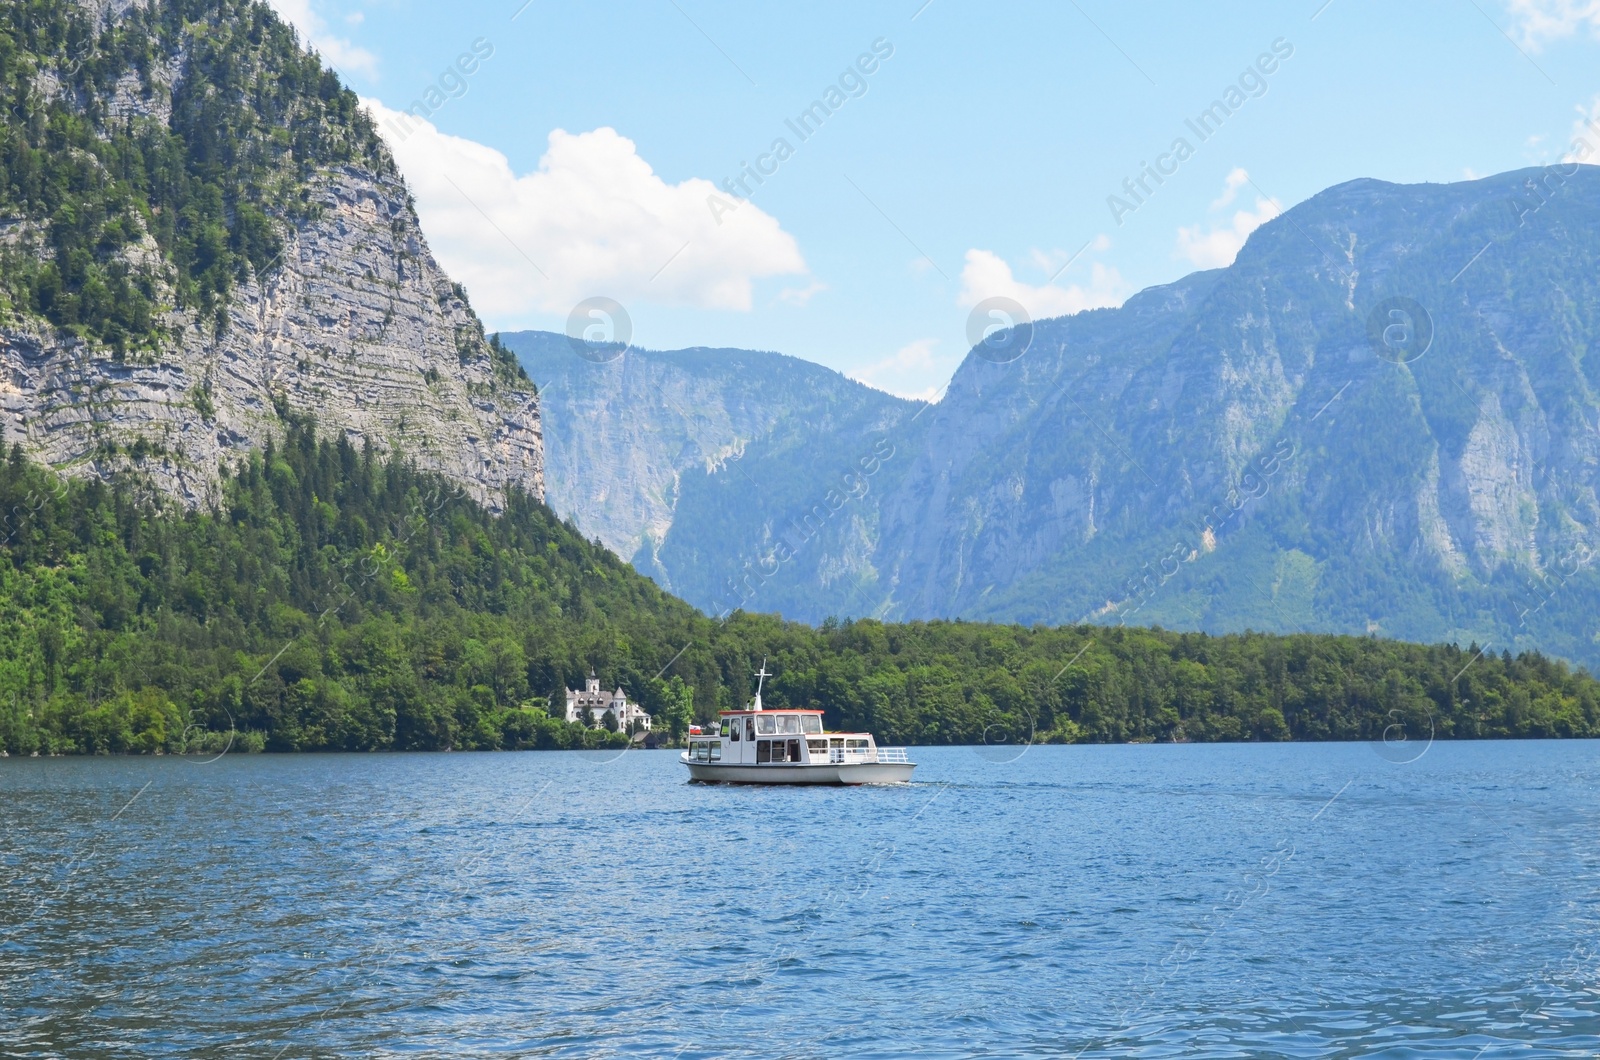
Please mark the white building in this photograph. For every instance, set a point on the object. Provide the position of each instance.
(600, 703)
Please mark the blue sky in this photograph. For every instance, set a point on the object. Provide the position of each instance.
(572, 151)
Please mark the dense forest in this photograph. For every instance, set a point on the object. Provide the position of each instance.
(337, 601)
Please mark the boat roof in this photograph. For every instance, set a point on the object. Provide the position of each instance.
(773, 710)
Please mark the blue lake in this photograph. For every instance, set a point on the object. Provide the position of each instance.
(1239, 900)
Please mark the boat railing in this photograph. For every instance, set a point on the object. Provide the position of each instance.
(867, 756)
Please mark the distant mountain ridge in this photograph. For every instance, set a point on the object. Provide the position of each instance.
(1244, 447)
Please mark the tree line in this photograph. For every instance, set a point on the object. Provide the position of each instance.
(332, 599)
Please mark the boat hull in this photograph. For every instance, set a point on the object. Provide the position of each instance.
(850, 773)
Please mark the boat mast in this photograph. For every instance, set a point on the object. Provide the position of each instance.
(761, 677)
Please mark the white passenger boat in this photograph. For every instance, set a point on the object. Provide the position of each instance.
(757, 746)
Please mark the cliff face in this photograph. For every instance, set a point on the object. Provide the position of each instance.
(357, 327)
(630, 427)
(664, 454)
(331, 305)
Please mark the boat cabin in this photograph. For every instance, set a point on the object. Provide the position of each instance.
(780, 737)
(788, 738)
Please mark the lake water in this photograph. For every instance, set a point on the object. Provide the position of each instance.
(1245, 900)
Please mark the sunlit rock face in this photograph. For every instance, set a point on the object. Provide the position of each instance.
(353, 324)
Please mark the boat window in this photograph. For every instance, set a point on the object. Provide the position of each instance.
(716, 750)
(724, 726)
(810, 723)
(749, 728)
(836, 741)
(817, 747)
(788, 723)
(856, 745)
(794, 751)
(733, 730)
(764, 751)
(766, 725)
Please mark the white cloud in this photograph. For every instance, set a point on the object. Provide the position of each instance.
(338, 52)
(1052, 262)
(1236, 179)
(913, 371)
(1217, 246)
(801, 296)
(1585, 145)
(987, 275)
(593, 219)
(1540, 21)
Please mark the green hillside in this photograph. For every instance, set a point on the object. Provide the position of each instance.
(336, 601)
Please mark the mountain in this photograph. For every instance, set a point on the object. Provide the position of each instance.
(212, 282)
(660, 454)
(1266, 446)
(1252, 448)
(203, 233)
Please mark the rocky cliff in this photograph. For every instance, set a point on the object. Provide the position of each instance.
(245, 251)
(717, 446)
